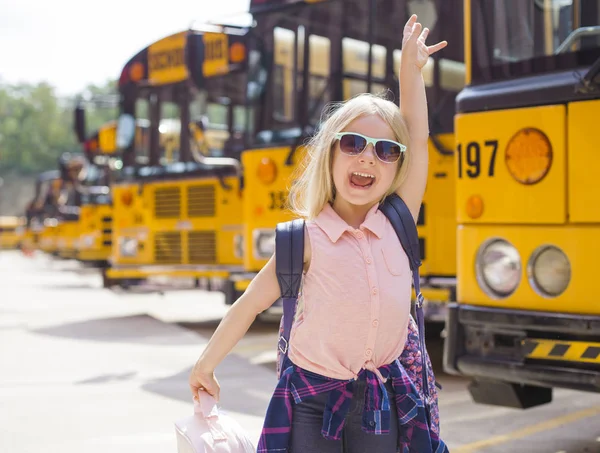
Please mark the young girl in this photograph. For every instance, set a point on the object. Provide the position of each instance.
(356, 291)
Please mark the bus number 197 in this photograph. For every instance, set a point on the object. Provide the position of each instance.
(471, 158)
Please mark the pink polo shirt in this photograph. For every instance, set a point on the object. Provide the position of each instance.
(355, 298)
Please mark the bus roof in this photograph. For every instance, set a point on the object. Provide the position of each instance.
(191, 55)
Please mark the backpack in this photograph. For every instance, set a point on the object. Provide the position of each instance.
(289, 260)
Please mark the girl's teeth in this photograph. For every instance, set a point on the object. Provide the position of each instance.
(365, 175)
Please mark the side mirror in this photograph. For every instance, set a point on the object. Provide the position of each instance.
(125, 131)
(80, 123)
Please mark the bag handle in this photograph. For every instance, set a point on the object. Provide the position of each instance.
(289, 264)
(206, 407)
(399, 215)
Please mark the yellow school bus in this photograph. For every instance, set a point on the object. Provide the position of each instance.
(526, 318)
(11, 232)
(73, 170)
(329, 51)
(40, 214)
(95, 216)
(104, 164)
(177, 215)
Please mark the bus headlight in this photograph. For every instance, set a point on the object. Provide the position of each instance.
(549, 271)
(128, 246)
(264, 243)
(86, 241)
(498, 268)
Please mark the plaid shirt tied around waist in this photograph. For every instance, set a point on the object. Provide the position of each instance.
(297, 385)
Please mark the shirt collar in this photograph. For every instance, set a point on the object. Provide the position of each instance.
(334, 226)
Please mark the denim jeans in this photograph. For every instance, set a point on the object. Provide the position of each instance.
(308, 420)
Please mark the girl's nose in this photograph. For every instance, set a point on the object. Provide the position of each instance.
(368, 155)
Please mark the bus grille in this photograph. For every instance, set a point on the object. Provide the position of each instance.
(202, 247)
(167, 203)
(201, 201)
(107, 231)
(167, 248)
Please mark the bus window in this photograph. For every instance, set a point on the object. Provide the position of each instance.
(279, 95)
(356, 63)
(452, 73)
(509, 32)
(319, 67)
(142, 140)
(283, 108)
(240, 120)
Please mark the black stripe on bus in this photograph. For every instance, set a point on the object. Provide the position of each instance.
(421, 218)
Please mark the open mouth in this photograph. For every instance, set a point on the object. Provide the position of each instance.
(361, 180)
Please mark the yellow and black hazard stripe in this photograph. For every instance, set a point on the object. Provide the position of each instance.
(571, 351)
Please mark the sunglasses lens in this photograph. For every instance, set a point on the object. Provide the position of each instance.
(388, 151)
(352, 144)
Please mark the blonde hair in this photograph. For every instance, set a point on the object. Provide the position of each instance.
(313, 179)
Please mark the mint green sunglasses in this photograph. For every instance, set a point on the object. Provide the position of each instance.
(388, 151)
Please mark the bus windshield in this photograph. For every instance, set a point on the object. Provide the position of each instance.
(514, 38)
(332, 50)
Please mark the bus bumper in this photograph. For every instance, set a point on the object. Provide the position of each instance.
(515, 357)
(176, 271)
(67, 253)
(93, 256)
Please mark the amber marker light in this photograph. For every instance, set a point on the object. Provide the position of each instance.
(474, 206)
(528, 156)
(127, 198)
(267, 170)
(237, 52)
(136, 72)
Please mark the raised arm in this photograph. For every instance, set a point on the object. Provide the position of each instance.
(413, 105)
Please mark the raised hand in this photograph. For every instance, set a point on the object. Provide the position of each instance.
(414, 49)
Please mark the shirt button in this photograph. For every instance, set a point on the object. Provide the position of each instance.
(369, 261)
(359, 235)
(368, 353)
(375, 323)
(375, 291)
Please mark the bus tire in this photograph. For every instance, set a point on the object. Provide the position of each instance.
(107, 282)
(508, 394)
(231, 294)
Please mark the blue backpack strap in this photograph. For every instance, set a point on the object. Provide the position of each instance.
(403, 222)
(289, 264)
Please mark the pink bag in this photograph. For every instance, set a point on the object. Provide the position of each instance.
(210, 431)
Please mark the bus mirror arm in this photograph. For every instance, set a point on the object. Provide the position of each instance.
(589, 82)
(216, 162)
(575, 35)
(223, 184)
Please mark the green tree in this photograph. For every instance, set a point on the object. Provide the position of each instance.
(36, 126)
(33, 128)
